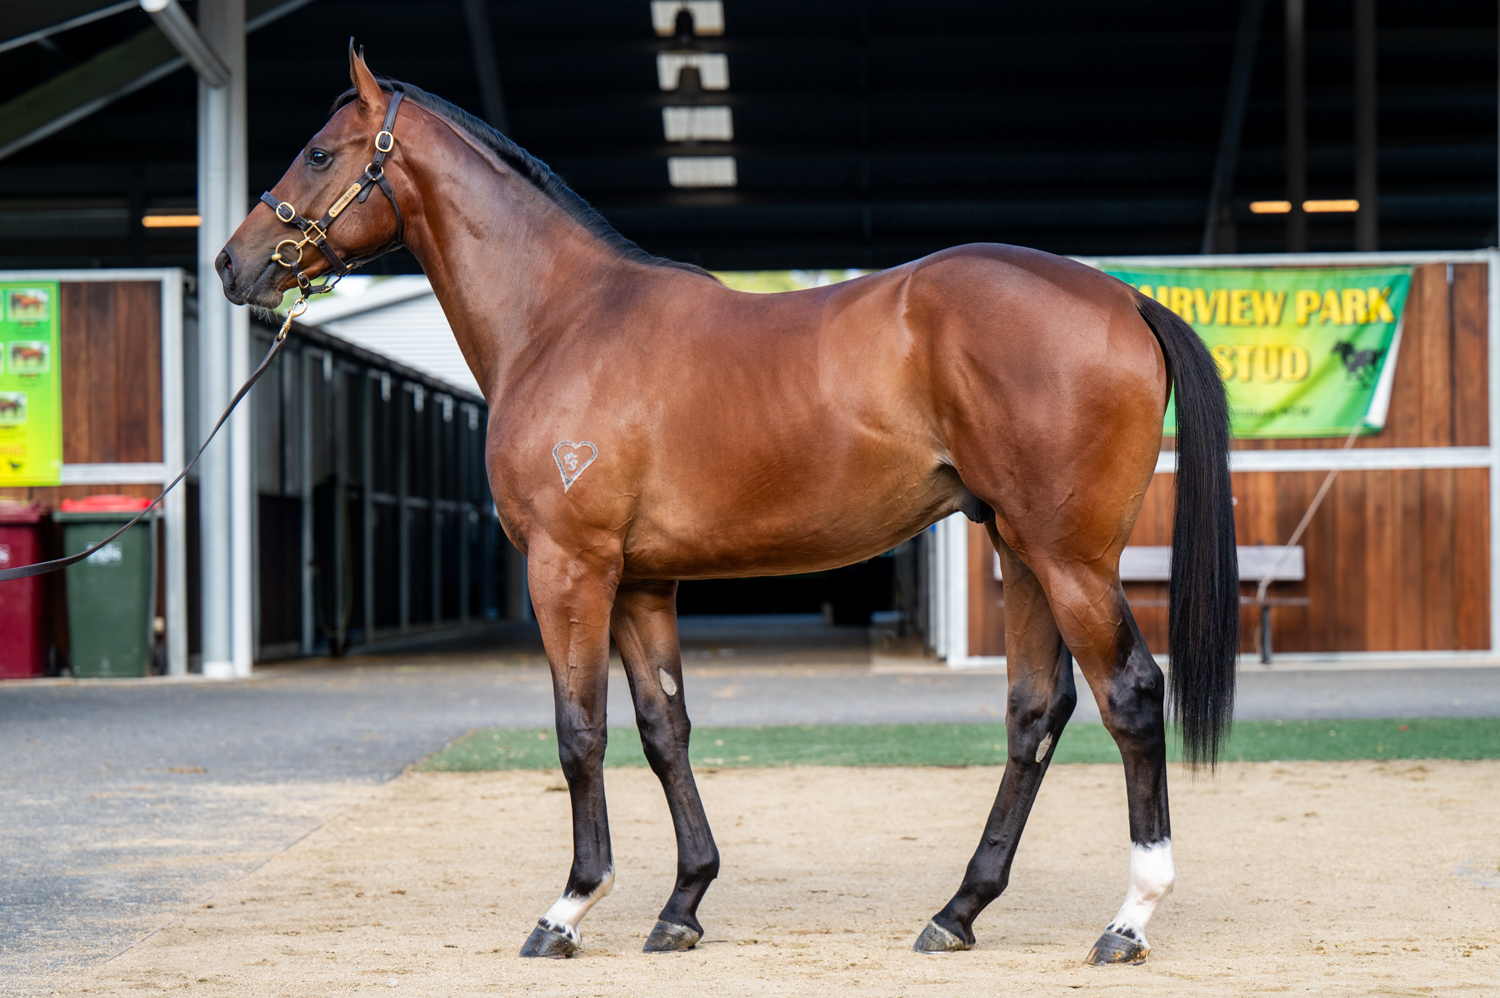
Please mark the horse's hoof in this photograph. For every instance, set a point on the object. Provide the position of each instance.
(1115, 948)
(543, 942)
(671, 938)
(936, 939)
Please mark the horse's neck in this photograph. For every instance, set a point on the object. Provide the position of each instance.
(510, 269)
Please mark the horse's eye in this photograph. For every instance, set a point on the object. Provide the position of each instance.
(318, 158)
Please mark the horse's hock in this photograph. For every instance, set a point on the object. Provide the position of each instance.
(1284, 869)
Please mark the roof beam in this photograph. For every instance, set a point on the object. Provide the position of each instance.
(177, 26)
(77, 93)
(486, 65)
(1218, 225)
(33, 22)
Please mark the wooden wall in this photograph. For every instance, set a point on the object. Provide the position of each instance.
(1396, 560)
(110, 352)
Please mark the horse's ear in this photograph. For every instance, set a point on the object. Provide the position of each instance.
(364, 81)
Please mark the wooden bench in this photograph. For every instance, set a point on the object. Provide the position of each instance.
(1154, 564)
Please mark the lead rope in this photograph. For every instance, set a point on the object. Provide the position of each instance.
(43, 567)
(1286, 549)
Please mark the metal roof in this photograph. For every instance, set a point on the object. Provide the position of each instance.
(863, 133)
(397, 317)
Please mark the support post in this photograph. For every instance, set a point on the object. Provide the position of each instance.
(953, 604)
(1366, 147)
(486, 66)
(231, 46)
(1218, 225)
(405, 408)
(173, 432)
(1296, 128)
(305, 489)
(215, 113)
(1494, 421)
(367, 504)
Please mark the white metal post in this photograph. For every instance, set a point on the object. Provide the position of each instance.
(1494, 441)
(223, 338)
(937, 591)
(231, 47)
(953, 542)
(172, 436)
(213, 369)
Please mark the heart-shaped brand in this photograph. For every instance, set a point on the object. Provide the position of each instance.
(572, 458)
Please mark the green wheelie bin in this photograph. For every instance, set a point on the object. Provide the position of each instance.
(111, 593)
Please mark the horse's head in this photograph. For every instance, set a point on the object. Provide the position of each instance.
(280, 244)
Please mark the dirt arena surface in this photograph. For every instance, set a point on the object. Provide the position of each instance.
(1356, 878)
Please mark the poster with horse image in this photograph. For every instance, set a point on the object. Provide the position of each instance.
(30, 386)
(28, 304)
(30, 357)
(1303, 352)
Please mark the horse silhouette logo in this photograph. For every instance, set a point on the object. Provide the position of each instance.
(1359, 365)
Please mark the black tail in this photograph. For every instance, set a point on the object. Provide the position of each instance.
(1204, 628)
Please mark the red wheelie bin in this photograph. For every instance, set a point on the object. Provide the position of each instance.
(23, 640)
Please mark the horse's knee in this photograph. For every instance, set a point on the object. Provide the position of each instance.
(581, 750)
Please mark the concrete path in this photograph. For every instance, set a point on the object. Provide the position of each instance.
(124, 801)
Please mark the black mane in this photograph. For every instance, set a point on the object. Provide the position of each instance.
(538, 173)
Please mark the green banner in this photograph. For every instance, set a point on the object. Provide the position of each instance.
(30, 385)
(1303, 352)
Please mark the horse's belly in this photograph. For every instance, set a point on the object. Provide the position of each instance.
(798, 526)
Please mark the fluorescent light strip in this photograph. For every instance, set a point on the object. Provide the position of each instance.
(171, 221)
(1311, 207)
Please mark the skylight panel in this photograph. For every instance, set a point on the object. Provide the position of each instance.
(708, 16)
(697, 124)
(702, 171)
(713, 69)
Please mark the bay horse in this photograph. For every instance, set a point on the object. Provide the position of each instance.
(648, 424)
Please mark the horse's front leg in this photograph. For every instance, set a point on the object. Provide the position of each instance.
(645, 627)
(573, 596)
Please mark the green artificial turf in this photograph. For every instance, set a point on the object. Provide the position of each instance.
(981, 744)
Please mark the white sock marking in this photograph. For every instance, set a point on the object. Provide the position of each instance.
(1151, 877)
(568, 910)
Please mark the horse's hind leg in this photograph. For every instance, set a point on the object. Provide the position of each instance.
(1097, 624)
(1039, 671)
(645, 627)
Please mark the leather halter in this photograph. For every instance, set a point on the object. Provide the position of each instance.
(316, 233)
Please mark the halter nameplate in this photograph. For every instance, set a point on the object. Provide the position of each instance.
(343, 201)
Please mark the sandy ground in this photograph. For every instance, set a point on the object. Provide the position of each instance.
(1337, 878)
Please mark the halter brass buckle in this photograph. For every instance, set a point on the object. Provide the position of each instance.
(311, 234)
(390, 141)
(290, 216)
(294, 244)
